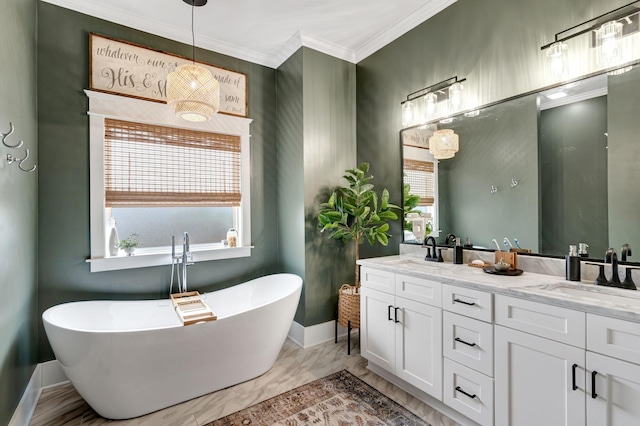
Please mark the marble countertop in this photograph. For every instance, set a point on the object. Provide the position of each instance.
(553, 290)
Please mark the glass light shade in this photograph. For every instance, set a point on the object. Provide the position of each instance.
(407, 113)
(609, 51)
(430, 101)
(557, 57)
(455, 97)
(443, 144)
(193, 92)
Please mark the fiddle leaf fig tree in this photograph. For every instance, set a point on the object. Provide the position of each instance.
(355, 213)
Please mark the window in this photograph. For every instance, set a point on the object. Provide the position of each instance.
(159, 176)
(420, 171)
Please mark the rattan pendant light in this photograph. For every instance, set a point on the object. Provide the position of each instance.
(192, 91)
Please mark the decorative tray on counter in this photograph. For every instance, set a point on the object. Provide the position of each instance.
(509, 272)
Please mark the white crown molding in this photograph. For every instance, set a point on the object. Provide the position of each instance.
(161, 29)
(403, 26)
(553, 103)
(329, 48)
(271, 59)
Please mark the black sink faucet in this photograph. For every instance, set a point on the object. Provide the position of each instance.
(430, 243)
(628, 279)
(610, 256)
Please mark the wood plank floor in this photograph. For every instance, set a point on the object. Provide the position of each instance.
(63, 406)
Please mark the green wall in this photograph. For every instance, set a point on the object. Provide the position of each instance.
(495, 44)
(64, 240)
(290, 171)
(18, 205)
(316, 143)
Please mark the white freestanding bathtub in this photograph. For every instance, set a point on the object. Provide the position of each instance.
(129, 358)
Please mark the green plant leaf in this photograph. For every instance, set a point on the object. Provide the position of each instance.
(385, 199)
(382, 239)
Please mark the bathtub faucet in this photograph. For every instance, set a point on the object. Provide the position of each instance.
(186, 260)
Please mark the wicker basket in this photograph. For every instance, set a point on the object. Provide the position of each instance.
(349, 306)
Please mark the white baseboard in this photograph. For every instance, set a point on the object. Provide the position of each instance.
(52, 374)
(27, 405)
(46, 374)
(313, 335)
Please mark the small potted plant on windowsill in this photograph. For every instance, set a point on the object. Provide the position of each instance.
(130, 244)
(355, 213)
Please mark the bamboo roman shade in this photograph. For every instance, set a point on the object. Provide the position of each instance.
(150, 165)
(421, 179)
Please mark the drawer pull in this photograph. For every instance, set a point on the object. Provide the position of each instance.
(396, 315)
(594, 395)
(457, 339)
(464, 303)
(459, 389)
(389, 312)
(573, 376)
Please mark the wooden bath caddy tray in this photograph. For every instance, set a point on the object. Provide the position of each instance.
(191, 308)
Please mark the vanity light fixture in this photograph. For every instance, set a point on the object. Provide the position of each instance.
(192, 91)
(443, 144)
(608, 44)
(474, 113)
(432, 96)
(611, 51)
(407, 113)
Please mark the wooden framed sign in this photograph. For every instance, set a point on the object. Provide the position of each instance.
(128, 69)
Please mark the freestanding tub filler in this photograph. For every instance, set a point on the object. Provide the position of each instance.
(129, 358)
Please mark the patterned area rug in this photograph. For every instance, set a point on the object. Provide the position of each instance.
(340, 399)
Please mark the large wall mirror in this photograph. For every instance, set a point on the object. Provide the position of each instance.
(547, 169)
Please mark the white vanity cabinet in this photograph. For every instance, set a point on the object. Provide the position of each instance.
(539, 378)
(468, 351)
(401, 326)
(613, 374)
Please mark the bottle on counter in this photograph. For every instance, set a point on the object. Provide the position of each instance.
(573, 264)
(457, 252)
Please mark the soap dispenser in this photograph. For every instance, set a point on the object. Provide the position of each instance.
(457, 252)
(573, 264)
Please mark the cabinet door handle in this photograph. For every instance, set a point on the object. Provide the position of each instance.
(464, 302)
(459, 389)
(389, 312)
(396, 315)
(457, 339)
(594, 395)
(573, 376)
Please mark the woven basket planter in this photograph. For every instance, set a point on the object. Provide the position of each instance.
(349, 306)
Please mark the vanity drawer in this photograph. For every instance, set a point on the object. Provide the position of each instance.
(468, 392)
(468, 342)
(377, 279)
(468, 302)
(616, 338)
(419, 289)
(552, 322)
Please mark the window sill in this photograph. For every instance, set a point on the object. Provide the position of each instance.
(149, 257)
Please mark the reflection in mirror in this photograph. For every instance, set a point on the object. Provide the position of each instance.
(573, 152)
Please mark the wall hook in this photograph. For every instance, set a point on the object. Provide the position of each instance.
(494, 189)
(514, 183)
(11, 159)
(4, 137)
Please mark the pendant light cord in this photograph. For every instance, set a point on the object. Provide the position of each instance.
(193, 36)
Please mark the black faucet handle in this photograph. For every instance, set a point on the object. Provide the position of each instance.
(625, 251)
